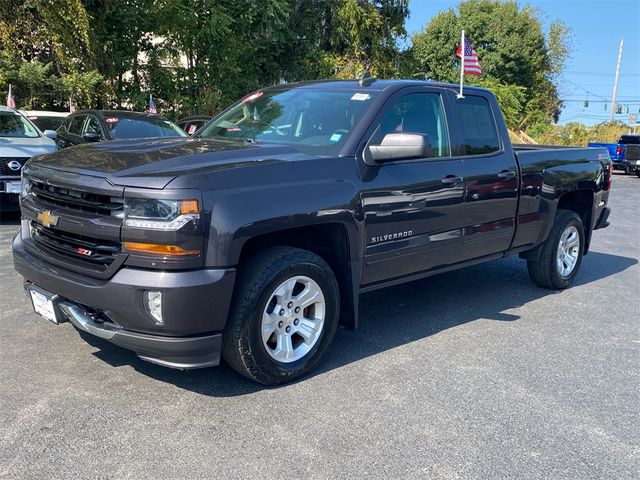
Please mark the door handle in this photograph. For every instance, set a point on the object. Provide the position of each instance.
(507, 174)
(451, 179)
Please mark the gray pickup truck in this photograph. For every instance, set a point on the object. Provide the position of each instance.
(252, 240)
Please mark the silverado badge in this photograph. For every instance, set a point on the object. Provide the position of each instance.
(47, 219)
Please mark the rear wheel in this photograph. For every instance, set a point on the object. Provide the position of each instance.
(284, 315)
(561, 255)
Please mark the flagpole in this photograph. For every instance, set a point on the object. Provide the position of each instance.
(460, 95)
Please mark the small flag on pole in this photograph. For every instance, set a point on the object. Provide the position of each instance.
(11, 101)
(470, 59)
(72, 107)
(152, 106)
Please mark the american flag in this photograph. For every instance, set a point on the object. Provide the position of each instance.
(11, 101)
(152, 106)
(471, 65)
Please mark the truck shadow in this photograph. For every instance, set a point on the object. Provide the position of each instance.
(395, 316)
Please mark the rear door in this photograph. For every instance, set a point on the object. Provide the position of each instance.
(492, 177)
(412, 208)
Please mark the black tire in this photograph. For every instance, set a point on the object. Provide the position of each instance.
(544, 272)
(258, 277)
(638, 173)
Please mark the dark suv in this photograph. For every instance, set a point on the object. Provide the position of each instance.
(86, 126)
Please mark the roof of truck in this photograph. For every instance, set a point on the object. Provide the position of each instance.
(376, 85)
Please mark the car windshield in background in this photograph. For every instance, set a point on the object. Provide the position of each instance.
(322, 121)
(47, 123)
(125, 127)
(15, 125)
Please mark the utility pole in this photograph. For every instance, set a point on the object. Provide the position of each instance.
(615, 85)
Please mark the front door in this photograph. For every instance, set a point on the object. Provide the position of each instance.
(413, 208)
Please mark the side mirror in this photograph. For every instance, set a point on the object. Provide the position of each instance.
(91, 137)
(401, 146)
(52, 134)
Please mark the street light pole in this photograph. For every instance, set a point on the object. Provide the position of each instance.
(615, 85)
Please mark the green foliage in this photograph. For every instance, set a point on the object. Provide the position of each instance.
(576, 134)
(510, 97)
(513, 51)
(196, 56)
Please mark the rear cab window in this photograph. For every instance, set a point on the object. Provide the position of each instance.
(629, 140)
(480, 135)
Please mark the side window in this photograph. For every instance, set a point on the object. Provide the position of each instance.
(419, 113)
(478, 125)
(76, 125)
(66, 126)
(92, 126)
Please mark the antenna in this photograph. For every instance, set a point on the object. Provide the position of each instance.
(366, 79)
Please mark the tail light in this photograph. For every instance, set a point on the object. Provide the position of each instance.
(609, 175)
(619, 150)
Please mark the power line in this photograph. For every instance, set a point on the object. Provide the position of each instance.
(582, 88)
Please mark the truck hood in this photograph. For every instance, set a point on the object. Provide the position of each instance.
(11, 147)
(156, 162)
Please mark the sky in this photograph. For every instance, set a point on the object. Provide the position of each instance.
(597, 28)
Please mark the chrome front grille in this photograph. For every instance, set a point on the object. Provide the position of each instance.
(68, 198)
(6, 170)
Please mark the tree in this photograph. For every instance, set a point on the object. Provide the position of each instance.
(511, 45)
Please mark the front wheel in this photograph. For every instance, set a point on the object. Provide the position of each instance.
(561, 255)
(284, 315)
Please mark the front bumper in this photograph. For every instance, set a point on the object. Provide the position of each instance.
(195, 307)
(8, 201)
(631, 165)
(174, 352)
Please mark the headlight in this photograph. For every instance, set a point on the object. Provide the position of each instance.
(159, 214)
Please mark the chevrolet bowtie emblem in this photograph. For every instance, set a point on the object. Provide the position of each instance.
(47, 219)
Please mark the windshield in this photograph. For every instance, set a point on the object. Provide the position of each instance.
(47, 123)
(316, 120)
(14, 125)
(124, 127)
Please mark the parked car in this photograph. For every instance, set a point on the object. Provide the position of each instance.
(192, 124)
(88, 126)
(45, 120)
(631, 159)
(618, 152)
(19, 140)
(253, 240)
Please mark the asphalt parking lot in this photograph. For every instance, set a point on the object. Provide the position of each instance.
(472, 374)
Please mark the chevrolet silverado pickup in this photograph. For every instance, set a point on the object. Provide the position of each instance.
(624, 154)
(252, 240)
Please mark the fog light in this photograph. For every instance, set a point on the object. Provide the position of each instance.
(154, 305)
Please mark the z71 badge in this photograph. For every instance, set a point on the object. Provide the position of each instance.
(391, 236)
